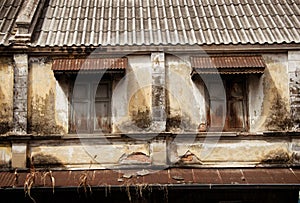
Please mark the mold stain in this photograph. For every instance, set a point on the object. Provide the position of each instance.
(276, 157)
(179, 123)
(279, 117)
(142, 119)
(41, 160)
(42, 118)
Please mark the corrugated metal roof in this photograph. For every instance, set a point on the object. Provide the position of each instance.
(9, 10)
(89, 64)
(168, 22)
(172, 177)
(243, 64)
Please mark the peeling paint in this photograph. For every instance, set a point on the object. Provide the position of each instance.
(135, 158)
(189, 158)
(238, 151)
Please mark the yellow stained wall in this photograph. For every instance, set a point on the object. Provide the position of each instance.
(131, 98)
(6, 94)
(43, 93)
(276, 105)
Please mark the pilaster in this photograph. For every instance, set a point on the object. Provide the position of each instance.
(158, 91)
(20, 94)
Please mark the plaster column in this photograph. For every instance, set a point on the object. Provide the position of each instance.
(20, 94)
(158, 91)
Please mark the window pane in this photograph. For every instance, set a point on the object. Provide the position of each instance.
(101, 118)
(80, 116)
(102, 91)
(81, 91)
(216, 91)
(217, 114)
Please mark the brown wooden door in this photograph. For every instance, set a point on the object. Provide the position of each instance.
(91, 106)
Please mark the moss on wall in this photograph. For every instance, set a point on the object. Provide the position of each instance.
(279, 117)
(142, 119)
(180, 123)
(139, 108)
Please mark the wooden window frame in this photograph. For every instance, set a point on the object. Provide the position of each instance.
(226, 126)
(91, 109)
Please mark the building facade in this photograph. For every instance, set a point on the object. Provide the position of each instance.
(149, 84)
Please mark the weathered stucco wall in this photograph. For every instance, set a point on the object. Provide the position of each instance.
(131, 99)
(186, 104)
(226, 152)
(231, 152)
(90, 153)
(276, 105)
(269, 96)
(47, 109)
(6, 94)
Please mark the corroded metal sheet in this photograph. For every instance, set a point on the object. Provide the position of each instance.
(167, 177)
(89, 64)
(228, 64)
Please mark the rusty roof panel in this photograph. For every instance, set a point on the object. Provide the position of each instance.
(6, 179)
(257, 177)
(220, 64)
(181, 175)
(283, 175)
(207, 176)
(172, 177)
(221, 61)
(167, 22)
(89, 64)
(161, 176)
